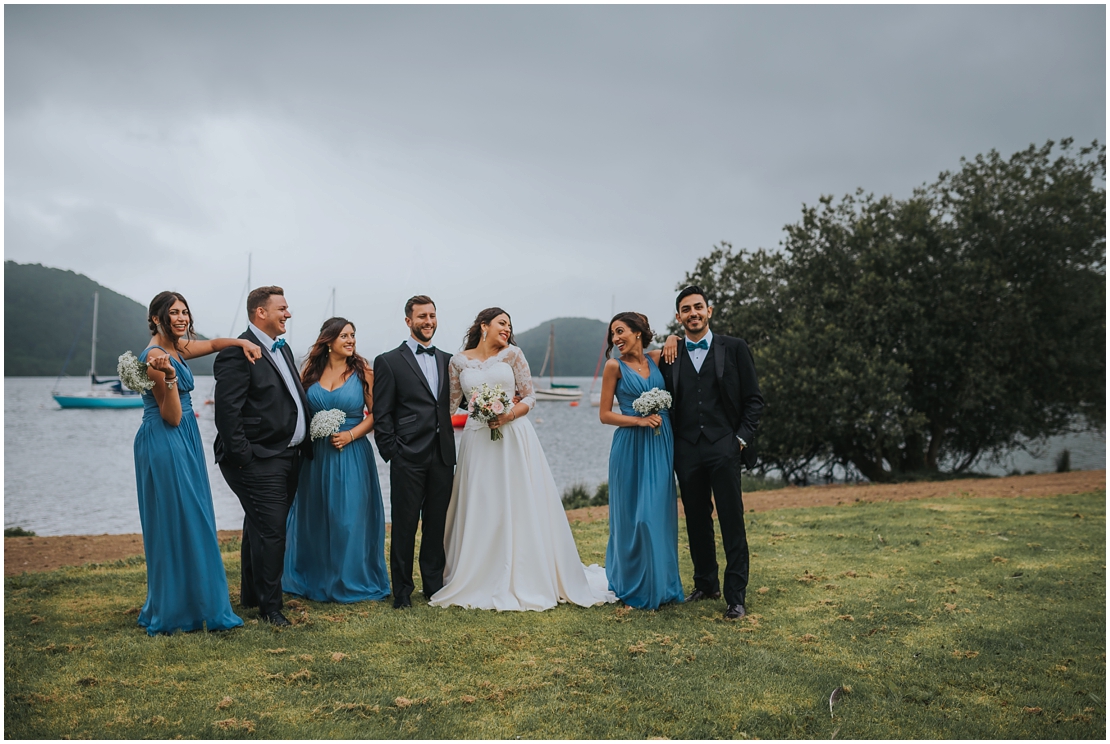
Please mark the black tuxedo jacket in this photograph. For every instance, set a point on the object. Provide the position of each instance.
(255, 414)
(407, 417)
(739, 388)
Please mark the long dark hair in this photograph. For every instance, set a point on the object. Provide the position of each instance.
(160, 310)
(317, 358)
(474, 333)
(637, 322)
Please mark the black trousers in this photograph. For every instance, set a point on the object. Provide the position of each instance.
(708, 473)
(265, 489)
(419, 491)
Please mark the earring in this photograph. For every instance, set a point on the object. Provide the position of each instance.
(483, 335)
(329, 348)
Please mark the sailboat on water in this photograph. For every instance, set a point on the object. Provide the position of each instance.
(103, 393)
(554, 391)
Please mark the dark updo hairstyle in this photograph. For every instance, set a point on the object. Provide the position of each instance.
(474, 333)
(637, 322)
(317, 358)
(159, 314)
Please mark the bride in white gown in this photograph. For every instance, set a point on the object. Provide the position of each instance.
(508, 542)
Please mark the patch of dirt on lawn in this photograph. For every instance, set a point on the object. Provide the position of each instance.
(48, 553)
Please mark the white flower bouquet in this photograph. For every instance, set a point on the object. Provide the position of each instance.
(132, 373)
(486, 404)
(326, 423)
(651, 402)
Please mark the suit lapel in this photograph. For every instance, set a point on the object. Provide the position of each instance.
(249, 335)
(288, 356)
(442, 360)
(719, 358)
(409, 357)
(719, 363)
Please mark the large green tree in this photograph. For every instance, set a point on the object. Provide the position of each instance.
(895, 337)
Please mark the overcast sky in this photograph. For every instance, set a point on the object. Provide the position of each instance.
(544, 159)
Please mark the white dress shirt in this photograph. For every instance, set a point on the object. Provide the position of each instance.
(290, 381)
(427, 364)
(697, 356)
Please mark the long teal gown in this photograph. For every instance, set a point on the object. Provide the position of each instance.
(335, 537)
(641, 560)
(186, 584)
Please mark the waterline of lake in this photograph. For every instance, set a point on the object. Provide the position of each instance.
(71, 472)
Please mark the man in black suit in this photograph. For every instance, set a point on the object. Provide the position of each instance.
(412, 428)
(262, 436)
(715, 412)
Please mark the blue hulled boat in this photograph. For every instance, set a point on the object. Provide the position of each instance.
(106, 393)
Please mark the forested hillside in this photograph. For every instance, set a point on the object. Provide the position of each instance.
(578, 342)
(45, 309)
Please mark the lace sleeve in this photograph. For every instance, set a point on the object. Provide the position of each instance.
(523, 377)
(453, 369)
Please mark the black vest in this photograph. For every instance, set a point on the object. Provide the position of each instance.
(699, 407)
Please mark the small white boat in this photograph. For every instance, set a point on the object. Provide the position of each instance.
(557, 393)
(554, 391)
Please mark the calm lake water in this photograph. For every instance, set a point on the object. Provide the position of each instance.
(71, 472)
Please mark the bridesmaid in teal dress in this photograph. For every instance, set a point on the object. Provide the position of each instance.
(641, 560)
(335, 544)
(185, 576)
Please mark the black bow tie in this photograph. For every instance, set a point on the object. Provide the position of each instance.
(425, 349)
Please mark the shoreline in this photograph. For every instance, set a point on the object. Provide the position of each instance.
(47, 553)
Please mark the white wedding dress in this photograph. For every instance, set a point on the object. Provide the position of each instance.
(508, 542)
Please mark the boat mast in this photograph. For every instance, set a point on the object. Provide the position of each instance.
(96, 311)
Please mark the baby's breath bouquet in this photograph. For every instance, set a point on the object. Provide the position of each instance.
(486, 404)
(653, 401)
(132, 373)
(326, 423)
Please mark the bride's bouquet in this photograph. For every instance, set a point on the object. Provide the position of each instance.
(651, 402)
(486, 404)
(132, 373)
(326, 423)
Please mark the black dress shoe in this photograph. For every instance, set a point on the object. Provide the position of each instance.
(275, 618)
(735, 612)
(697, 595)
(401, 602)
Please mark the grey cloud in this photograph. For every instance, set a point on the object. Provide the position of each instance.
(593, 149)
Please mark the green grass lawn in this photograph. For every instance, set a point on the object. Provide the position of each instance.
(953, 618)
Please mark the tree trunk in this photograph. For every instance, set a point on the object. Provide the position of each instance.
(936, 432)
(871, 470)
(967, 462)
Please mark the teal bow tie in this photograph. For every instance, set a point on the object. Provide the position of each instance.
(277, 344)
(703, 344)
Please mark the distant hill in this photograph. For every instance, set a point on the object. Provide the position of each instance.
(578, 341)
(45, 308)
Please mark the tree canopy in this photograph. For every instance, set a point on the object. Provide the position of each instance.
(894, 337)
